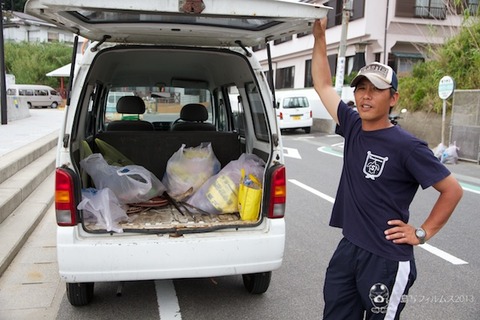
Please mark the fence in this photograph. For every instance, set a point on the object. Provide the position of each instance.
(465, 124)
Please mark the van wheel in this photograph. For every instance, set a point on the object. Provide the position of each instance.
(80, 294)
(29, 105)
(54, 105)
(257, 283)
(307, 129)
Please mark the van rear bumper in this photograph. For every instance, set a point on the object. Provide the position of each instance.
(294, 124)
(131, 257)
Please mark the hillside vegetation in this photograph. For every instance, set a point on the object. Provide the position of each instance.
(458, 58)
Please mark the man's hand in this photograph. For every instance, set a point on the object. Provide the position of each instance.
(401, 233)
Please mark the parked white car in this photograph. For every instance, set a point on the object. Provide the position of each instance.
(198, 53)
(294, 112)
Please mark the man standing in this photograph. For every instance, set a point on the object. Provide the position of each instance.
(373, 266)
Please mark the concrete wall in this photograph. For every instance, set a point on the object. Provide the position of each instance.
(17, 108)
(425, 126)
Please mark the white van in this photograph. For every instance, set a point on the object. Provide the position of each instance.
(200, 56)
(36, 95)
(294, 112)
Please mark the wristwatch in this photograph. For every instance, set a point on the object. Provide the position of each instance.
(421, 235)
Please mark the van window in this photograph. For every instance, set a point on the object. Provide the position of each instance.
(41, 92)
(11, 92)
(238, 112)
(25, 92)
(161, 104)
(258, 112)
(295, 102)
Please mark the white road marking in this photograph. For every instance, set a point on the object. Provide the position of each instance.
(311, 190)
(442, 254)
(439, 253)
(330, 151)
(168, 307)
(291, 153)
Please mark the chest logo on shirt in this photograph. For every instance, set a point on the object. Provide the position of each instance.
(374, 165)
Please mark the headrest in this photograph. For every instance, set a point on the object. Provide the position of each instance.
(194, 112)
(131, 105)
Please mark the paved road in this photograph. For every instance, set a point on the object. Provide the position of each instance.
(31, 288)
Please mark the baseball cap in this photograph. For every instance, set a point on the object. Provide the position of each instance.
(380, 75)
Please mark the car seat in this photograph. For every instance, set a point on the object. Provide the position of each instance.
(132, 105)
(192, 118)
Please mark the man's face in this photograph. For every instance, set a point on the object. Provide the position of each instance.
(373, 104)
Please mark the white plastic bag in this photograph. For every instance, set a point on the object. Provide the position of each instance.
(102, 208)
(130, 184)
(188, 168)
(450, 155)
(438, 151)
(219, 194)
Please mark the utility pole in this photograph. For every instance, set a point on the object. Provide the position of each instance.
(340, 75)
(3, 96)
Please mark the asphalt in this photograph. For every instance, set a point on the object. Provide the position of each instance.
(30, 288)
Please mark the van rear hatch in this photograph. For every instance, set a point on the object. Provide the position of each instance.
(216, 22)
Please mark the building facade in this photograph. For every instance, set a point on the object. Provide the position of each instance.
(21, 27)
(394, 32)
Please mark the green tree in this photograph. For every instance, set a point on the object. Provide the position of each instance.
(30, 62)
(458, 58)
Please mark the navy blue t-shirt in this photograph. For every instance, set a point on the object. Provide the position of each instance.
(382, 171)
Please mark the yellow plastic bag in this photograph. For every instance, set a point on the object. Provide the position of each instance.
(249, 197)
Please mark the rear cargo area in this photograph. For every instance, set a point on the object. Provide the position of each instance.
(165, 214)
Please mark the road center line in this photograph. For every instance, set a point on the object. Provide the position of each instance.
(168, 308)
(439, 253)
(311, 190)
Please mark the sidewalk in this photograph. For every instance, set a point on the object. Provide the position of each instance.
(18, 133)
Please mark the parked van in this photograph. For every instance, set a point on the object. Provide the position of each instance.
(200, 56)
(294, 112)
(36, 95)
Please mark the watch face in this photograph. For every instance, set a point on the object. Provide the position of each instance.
(420, 233)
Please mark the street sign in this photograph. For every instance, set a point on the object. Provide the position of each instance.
(446, 87)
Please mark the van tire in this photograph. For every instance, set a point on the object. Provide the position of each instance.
(80, 294)
(29, 105)
(54, 105)
(257, 283)
(307, 129)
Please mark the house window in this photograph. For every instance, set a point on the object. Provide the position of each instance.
(432, 9)
(53, 37)
(308, 74)
(285, 78)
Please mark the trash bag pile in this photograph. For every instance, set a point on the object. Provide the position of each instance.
(193, 175)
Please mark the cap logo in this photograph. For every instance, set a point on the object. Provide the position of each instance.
(376, 68)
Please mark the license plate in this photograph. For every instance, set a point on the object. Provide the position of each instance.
(296, 117)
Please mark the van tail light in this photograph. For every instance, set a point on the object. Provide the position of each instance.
(281, 115)
(278, 193)
(311, 114)
(65, 201)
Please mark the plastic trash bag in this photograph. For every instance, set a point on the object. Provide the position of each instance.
(450, 155)
(102, 208)
(438, 150)
(219, 194)
(188, 168)
(131, 184)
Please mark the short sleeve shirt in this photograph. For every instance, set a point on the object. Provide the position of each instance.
(381, 174)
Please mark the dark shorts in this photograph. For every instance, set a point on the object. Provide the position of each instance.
(362, 285)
